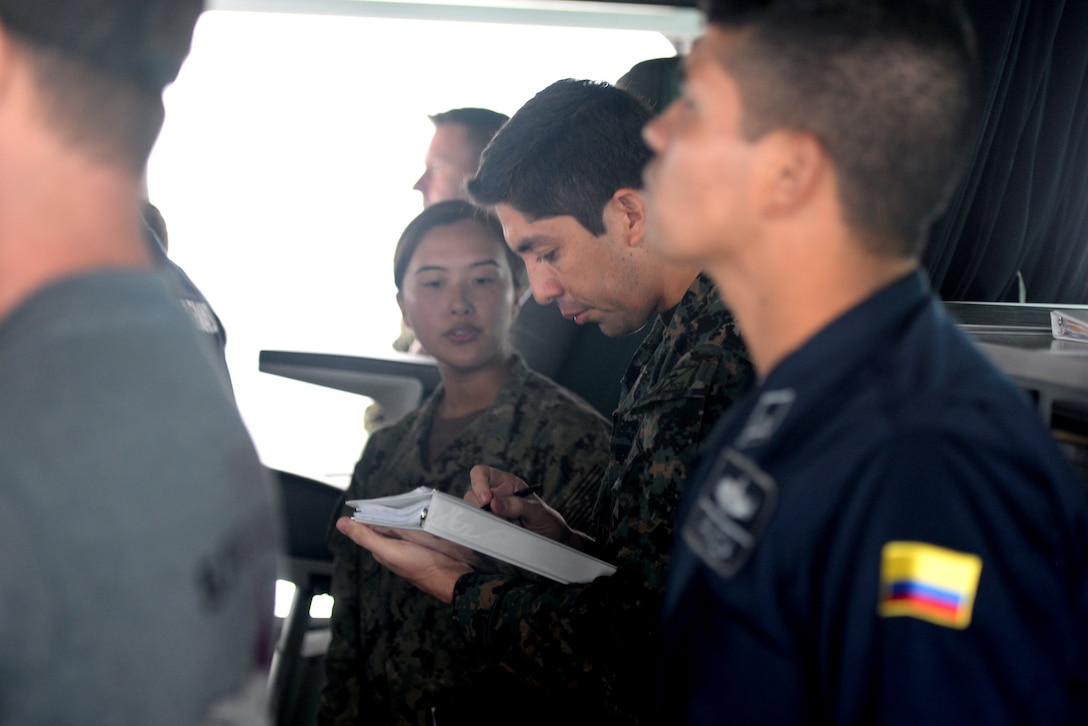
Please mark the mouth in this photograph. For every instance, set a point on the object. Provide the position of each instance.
(578, 316)
(462, 335)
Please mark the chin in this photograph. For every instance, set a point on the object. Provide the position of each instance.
(620, 328)
(470, 364)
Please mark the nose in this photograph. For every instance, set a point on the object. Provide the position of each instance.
(461, 302)
(544, 283)
(422, 183)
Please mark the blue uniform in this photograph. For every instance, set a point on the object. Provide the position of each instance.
(194, 302)
(882, 532)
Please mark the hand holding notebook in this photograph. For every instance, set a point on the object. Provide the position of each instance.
(456, 521)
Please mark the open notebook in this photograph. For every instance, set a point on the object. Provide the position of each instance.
(454, 520)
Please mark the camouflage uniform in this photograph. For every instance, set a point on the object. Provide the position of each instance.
(591, 646)
(394, 649)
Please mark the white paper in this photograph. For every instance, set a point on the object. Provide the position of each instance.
(455, 520)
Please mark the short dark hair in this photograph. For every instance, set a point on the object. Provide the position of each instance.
(890, 88)
(481, 123)
(443, 214)
(566, 152)
(656, 81)
(100, 67)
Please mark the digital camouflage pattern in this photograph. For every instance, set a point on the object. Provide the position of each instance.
(395, 651)
(591, 647)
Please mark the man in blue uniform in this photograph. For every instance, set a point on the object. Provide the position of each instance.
(883, 531)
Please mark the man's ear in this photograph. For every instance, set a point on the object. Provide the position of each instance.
(795, 165)
(632, 207)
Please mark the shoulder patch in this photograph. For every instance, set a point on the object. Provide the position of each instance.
(731, 513)
(766, 417)
(928, 582)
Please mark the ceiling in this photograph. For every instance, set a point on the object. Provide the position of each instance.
(678, 20)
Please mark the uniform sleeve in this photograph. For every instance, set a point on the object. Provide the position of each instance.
(960, 605)
(569, 455)
(596, 640)
(340, 698)
(563, 638)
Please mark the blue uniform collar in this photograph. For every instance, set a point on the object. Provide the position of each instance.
(851, 337)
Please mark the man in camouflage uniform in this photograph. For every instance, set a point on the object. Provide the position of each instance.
(564, 176)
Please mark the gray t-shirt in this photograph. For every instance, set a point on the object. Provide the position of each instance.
(137, 526)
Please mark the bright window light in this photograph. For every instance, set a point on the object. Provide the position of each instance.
(285, 595)
(320, 605)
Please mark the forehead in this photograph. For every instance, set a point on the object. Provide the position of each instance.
(462, 242)
(710, 52)
(451, 139)
(522, 233)
(709, 81)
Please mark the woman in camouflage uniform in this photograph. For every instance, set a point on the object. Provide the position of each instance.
(394, 653)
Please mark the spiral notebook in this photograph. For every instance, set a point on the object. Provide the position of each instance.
(453, 519)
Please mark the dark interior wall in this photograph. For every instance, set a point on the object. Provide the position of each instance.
(1021, 218)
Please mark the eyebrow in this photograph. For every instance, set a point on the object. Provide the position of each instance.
(527, 245)
(440, 268)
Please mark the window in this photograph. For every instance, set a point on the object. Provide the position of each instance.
(285, 169)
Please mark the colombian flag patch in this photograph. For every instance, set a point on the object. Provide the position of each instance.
(931, 583)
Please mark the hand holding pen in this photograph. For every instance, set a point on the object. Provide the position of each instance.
(522, 493)
(510, 497)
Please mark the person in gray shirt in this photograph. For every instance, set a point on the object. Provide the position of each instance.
(137, 527)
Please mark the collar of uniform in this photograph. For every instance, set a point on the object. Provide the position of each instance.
(503, 405)
(509, 393)
(854, 335)
(672, 326)
(701, 293)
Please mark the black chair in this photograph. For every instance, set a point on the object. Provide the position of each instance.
(296, 678)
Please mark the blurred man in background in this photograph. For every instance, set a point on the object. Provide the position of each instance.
(460, 136)
(137, 529)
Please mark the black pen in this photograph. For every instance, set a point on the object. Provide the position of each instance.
(527, 491)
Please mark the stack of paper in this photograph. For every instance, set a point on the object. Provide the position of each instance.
(455, 520)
